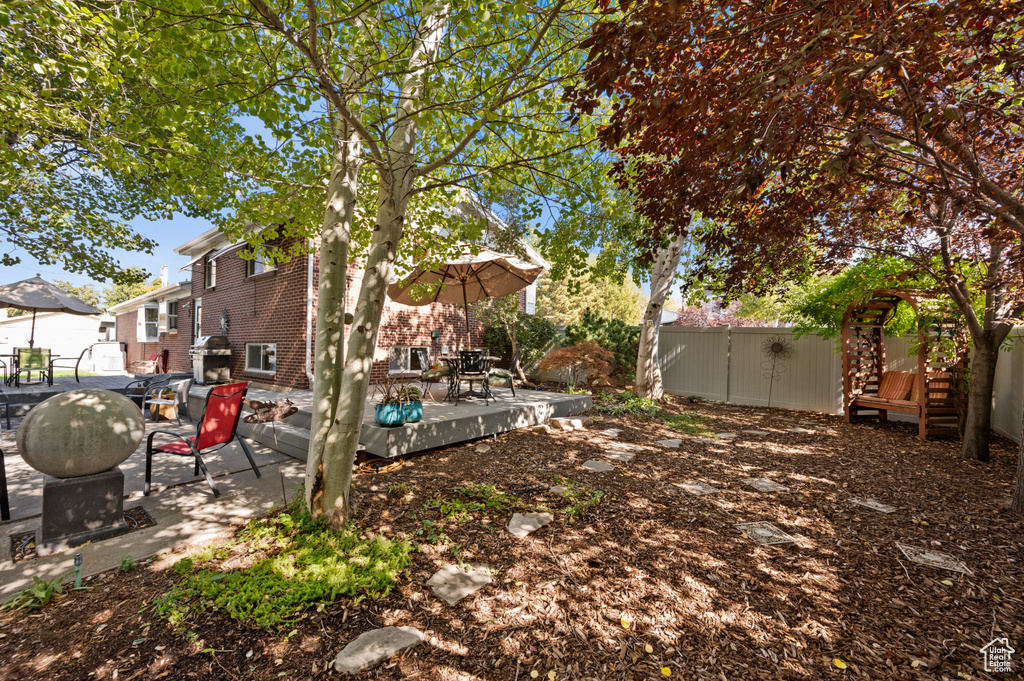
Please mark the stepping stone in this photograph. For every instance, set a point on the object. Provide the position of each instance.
(807, 423)
(483, 449)
(571, 422)
(705, 441)
(611, 432)
(558, 489)
(936, 559)
(801, 431)
(373, 647)
(726, 436)
(782, 418)
(624, 457)
(764, 485)
(524, 524)
(542, 428)
(874, 505)
(453, 583)
(598, 466)
(760, 413)
(630, 448)
(755, 432)
(697, 488)
(764, 533)
(674, 444)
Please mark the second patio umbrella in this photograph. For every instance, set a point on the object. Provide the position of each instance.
(39, 295)
(466, 279)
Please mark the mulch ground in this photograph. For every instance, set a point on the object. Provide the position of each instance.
(702, 601)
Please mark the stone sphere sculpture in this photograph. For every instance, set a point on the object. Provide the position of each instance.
(80, 432)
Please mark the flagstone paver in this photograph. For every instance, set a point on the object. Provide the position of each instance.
(453, 583)
(697, 487)
(483, 449)
(558, 489)
(801, 431)
(524, 524)
(764, 533)
(373, 647)
(611, 432)
(674, 444)
(874, 505)
(764, 485)
(932, 558)
(705, 440)
(726, 436)
(625, 457)
(598, 466)
(629, 447)
(755, 432)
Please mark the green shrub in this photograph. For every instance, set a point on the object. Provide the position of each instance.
(307, 564)
(533, 333)
(627, 403)
(36, 596)
(622, 339)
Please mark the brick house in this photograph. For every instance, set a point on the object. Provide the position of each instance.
(269, 312)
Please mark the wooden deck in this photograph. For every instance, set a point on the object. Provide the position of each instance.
(443, 423)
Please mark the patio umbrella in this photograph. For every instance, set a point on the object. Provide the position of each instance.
(39, 295)
(468, 278)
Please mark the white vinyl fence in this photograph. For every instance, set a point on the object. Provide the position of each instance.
(729, 365)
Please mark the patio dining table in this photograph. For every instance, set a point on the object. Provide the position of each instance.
(454, 365)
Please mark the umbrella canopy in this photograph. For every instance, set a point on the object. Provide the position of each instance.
(39, 295)
(468, 278)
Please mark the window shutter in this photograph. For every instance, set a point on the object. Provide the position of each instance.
(140, 321)
(162, 317)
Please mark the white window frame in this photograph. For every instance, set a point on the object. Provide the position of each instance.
(197, 318)
(149, 329)
(210, 272)
(259, 266)
(400, 358)
(261, 370)
(172, 316)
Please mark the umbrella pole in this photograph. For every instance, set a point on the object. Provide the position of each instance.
(32, 337)
(465, 304)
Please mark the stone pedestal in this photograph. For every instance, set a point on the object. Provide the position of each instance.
(80, 510)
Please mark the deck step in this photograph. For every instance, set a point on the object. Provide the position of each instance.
(291, 440)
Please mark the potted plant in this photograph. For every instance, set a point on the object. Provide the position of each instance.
(412, 403)
(390, 410)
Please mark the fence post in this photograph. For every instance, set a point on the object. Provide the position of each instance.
(728, 360)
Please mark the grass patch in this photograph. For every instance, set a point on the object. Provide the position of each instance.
(307, 565)
(579, 497)
(472, 497)
(627, 403)
(690, 423)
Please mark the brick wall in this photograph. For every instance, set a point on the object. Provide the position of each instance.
(271, 308)
(176, 344)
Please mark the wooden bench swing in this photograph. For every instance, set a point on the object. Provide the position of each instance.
(870, 391)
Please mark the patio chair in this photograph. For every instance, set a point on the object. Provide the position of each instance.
(6, 404)
(475, 367)
(170, 393)
(137, 389)
(505, 377)
(33, 360)
(145, 366)
(68, 363)
(217, 427)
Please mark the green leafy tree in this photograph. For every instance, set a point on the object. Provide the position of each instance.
(618, 337)
(118, 293)
(376, 122)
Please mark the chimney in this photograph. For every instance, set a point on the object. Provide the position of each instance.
(164, 278)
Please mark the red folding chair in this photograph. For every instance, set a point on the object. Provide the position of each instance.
(217, 426)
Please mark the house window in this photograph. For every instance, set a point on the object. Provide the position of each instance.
(198, 321)
(261, 357)
(211, 273)
(409, 358)
(152, 323)
(172, 316)
(258, 266)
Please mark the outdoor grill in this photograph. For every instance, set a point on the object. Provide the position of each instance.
(211, 359)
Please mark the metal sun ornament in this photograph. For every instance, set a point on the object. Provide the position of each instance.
(776, 351)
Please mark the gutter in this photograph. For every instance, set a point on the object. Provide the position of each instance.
(309, 315)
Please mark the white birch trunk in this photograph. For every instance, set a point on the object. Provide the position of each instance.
(335, 235)
(648, 371)
(396, 185)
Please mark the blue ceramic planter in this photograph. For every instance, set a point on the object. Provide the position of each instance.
(413, 411)
(389, 414)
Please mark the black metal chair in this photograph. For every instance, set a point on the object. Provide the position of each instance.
(475, 368)
(66, 363)
(6, 404)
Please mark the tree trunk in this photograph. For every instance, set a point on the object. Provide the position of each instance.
(330, 319)
(648, 370)
(1018, 492)
(978, 426)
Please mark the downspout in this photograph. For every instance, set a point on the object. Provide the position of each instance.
(309, 315)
